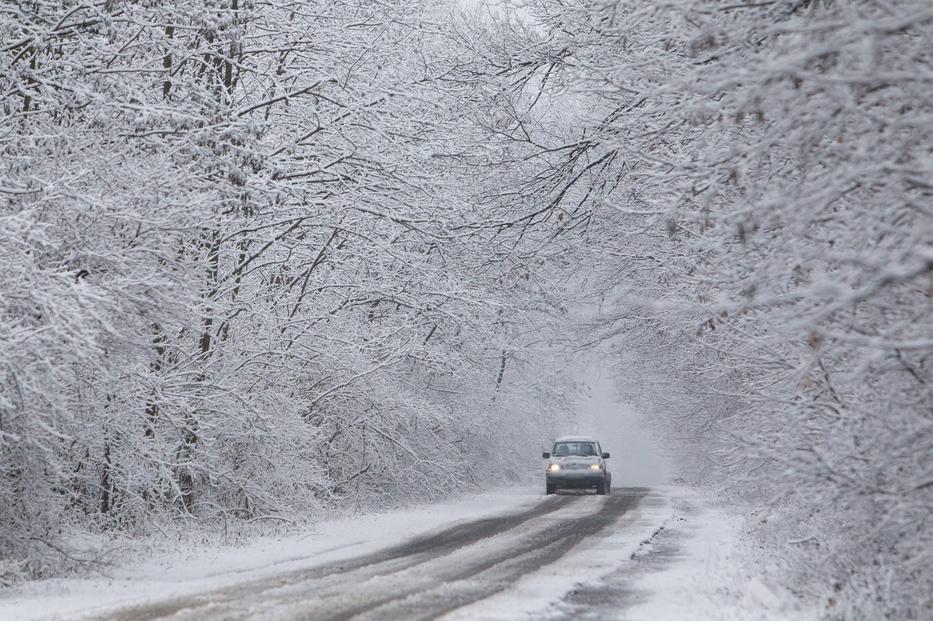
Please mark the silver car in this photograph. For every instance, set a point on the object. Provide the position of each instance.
(577, 462)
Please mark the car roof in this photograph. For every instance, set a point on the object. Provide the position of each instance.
(575, 439)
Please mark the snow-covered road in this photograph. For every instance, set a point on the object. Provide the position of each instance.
(420, 579)
(640, 554)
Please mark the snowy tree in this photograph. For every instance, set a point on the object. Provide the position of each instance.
(246, 273)
(752, 179)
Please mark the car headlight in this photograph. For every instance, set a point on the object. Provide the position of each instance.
(595, 467)
(553, 468)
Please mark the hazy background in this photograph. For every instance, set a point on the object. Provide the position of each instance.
(636, 458)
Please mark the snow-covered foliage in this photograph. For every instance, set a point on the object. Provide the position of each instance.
(248, 269)
(753, 181)
(260, 257)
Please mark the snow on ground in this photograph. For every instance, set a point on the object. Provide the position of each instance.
(184, 572)
(535, 595)
(701, 566)
(676, 557)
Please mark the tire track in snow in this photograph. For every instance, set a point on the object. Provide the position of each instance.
(498, 572)
(244, 600)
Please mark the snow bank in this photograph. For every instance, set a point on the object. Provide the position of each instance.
(713, 573)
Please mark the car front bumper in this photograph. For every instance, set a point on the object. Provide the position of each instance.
(580, 479)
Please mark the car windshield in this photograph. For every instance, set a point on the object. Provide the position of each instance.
(581, 449)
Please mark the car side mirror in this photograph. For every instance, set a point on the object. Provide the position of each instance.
(605, 455)
(546, 455)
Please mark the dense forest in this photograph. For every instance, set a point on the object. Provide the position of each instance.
(260, 258)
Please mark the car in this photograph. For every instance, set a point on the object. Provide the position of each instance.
(577, 462)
